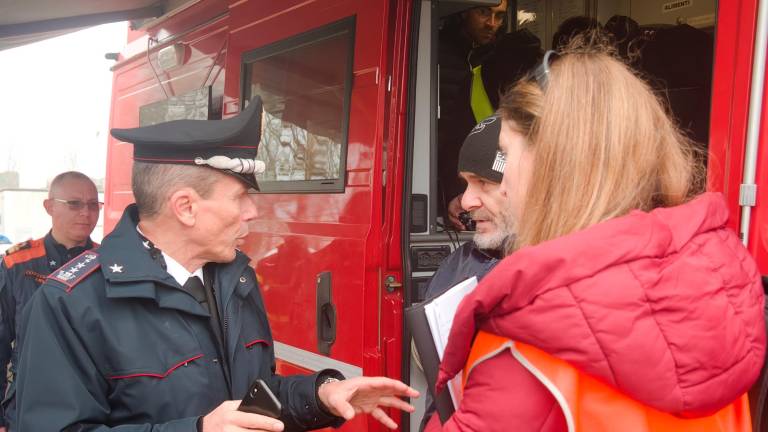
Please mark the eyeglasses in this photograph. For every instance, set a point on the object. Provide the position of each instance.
(77, 205)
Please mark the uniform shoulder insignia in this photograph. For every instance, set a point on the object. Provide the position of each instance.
(23, 252)
(19, 246)
(76, 270)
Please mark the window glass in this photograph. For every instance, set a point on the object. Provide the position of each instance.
(670, 44)
(305, 84)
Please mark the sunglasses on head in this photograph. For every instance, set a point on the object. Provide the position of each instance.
(541, 74)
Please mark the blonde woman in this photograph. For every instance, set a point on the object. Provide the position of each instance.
(628, 304)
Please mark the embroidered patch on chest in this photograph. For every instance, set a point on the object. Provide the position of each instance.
(76, 270)
(38, 277)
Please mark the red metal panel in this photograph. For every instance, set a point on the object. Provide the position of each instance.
(355, 234)
(135, 85)
(297, 236)
(734, 43)
(758, 232)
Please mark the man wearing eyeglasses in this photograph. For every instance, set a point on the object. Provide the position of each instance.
(74, 208)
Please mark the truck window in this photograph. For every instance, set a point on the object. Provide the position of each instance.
(305, 84)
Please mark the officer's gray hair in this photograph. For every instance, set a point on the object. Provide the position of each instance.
(154, 183)
(68, 175)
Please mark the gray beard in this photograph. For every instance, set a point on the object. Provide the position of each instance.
(491, 241)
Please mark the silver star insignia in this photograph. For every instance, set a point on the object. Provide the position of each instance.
(145, 243)
(116, 268)
(52, 263)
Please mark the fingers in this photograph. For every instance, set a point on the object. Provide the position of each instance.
(250, 421)
(393, 402)
(346, 410)
(382, 417)
(341, 405)
(388, 385)
(454, 208)
(227, 418)
(456, 222)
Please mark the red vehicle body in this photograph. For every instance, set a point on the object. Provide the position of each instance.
(356, 237)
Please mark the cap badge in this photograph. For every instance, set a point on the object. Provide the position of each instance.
(499, 162)
(236, 165)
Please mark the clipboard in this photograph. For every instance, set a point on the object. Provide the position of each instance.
(430, 323)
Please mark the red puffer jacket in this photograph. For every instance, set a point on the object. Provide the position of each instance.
(665, 306)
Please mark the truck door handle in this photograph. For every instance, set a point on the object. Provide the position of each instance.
(326, 314)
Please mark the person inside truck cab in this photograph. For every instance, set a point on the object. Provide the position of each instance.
(625, 302)
(476, 59)
(481, 166)
(164, 327)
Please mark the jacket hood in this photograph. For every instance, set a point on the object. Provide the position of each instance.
(666, 306)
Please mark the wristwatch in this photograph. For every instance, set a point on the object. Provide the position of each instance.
(328, 376)
(328, 380)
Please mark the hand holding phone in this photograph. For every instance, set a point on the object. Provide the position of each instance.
(261, 400)
(467, 221)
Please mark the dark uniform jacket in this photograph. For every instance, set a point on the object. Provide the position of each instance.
(23, 269)
(117, 341)
(456, 58)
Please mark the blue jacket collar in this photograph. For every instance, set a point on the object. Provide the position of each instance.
(130, 271)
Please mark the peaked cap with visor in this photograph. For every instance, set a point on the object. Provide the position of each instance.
(228, 145)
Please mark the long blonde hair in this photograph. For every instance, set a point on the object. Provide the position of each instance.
(603, 145)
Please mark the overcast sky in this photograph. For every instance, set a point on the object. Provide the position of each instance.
(54, 104)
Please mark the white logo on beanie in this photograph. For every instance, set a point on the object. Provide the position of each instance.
(483, 123)
(499, 162)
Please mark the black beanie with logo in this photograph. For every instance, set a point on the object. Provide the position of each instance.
(480, 153)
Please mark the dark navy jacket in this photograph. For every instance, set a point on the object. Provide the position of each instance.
(462, 264)
(22, 271)
(113, 340)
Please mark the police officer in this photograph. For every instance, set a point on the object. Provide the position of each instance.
(164, 325)
(73, 205)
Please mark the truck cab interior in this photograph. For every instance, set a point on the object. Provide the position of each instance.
(670, 44)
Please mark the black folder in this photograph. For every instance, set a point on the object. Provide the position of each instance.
(430, 361)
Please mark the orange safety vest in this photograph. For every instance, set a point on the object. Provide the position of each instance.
(592, 406)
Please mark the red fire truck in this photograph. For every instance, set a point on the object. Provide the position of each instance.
(349, 230)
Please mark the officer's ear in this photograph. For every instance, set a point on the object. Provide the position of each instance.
(48, 204)
(184, 205)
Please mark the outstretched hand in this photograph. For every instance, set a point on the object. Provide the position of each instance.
(368, 395)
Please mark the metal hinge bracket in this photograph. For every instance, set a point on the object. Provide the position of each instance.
(747, 195)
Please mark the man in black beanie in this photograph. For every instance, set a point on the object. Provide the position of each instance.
(481, 164)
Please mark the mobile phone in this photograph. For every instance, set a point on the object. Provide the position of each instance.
(467, 221)
(261, 400)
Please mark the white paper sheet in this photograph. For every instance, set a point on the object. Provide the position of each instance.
(440, 313)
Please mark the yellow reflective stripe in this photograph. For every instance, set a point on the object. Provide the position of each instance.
(479, 101)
